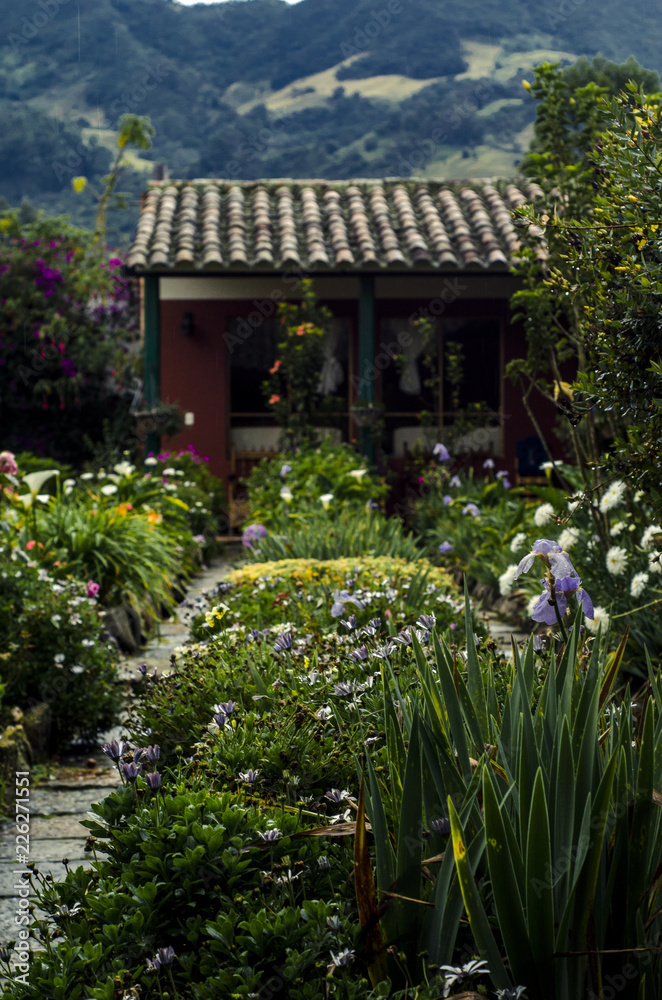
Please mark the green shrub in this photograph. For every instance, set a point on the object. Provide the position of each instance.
(339, 532)
(318, 594)
(52, 651)
(311, 473)
(189, 869)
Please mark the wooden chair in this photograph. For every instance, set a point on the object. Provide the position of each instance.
(241, 464)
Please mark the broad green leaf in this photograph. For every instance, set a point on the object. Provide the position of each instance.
(480, 927)
(539, 894)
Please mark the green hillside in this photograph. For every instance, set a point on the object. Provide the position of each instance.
(332, 88)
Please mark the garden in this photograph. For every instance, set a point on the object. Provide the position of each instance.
(342, 786)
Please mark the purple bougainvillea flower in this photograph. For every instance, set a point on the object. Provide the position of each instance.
(441, 452)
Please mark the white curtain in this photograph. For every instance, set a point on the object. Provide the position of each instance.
(332, 373)
(410, 380)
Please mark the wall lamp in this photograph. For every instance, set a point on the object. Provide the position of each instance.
(187, 326)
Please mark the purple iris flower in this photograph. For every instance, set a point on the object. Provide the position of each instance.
(340, 599)
(472, 509)
(455, 481)
(252, 535)
(447, 499)
(488, 463)
(544, 610)
(446, 547)
(552, 554)
(441, 452)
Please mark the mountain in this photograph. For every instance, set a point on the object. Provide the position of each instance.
(262, 88)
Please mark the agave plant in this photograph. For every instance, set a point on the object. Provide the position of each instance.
(556, 841)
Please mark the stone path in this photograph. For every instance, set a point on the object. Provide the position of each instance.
(56, 807)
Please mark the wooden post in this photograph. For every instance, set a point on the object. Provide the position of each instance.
(367, 370)
(152, 356)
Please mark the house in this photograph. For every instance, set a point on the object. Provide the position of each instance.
(216, 257)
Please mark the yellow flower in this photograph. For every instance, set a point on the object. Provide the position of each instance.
(78, 184)
(154, 518)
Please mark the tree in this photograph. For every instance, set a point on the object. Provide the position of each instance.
(566, 161)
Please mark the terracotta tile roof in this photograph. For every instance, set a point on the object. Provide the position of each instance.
(219, 226)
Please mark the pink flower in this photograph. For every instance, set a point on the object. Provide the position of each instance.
(274, 399)
(92, 589)
(8, 463)
(30, 545)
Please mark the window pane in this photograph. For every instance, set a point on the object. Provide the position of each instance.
(250, 360)
(478, 354)
(407, 383)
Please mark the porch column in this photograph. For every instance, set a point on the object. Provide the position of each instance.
(366, 393)
(152, 355)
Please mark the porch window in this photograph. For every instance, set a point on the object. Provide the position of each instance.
(451, 381)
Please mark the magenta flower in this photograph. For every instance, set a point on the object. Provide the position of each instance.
(92, 588)
(8, 463)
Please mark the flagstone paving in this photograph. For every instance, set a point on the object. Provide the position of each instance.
(58, 806)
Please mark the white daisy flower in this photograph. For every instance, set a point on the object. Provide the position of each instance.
(151, 460)
(518, 541)
(638, 585)
(649, 535)
(613, 496)
(506, 581)
(124, 468)
(600, 618)
(616, 560)
(109, 489)
(543, 514)
(87, 475)
(568, 538)
(616, 528)
(655, 562)
(357, 473)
